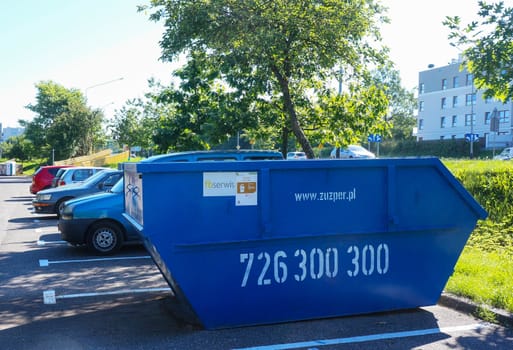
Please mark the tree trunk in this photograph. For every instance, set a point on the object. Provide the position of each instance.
(290, 110)
(284, 141)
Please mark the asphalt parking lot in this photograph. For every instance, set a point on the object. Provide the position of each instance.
(54, 296)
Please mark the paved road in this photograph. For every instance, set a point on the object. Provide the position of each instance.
(123, 303)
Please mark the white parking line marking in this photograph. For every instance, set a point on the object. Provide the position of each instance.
(49, 296)
(45, 229)
(45, 262)
(371, 337)
(42, 242)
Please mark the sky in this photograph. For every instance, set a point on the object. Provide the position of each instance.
(108, 50)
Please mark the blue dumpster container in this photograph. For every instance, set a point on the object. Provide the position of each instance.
(247, 243)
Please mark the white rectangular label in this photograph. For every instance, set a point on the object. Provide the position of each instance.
(219, 184)
(247, 190)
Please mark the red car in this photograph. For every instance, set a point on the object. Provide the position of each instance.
(42, 178)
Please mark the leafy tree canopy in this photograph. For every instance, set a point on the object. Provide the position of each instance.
(17, 147)
(487, 48)
(285, 51)
(402, 102)
(63, 122)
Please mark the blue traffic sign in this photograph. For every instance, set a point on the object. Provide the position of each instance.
(472, 137)
(374, 138)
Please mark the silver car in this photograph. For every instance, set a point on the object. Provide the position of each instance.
(352, 151)
(77, 174)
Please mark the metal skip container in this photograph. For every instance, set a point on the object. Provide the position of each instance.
(259, 242)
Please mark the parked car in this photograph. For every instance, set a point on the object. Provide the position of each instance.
(58, 175)
(296, 155)
(43, 176)
(50, 201)
(506, 154)
(77, 174)
(97, 220)
(352, 151)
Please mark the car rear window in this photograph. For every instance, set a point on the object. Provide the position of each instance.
(81, 174)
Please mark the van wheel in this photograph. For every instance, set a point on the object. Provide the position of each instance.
(104, 238)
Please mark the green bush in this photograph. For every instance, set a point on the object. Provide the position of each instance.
(484, 272)
(491, 184)
(438, 148)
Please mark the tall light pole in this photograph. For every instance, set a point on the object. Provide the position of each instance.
(100, 84)
(472, 101)
(96, 85)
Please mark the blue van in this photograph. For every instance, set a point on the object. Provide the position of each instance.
(97, 220)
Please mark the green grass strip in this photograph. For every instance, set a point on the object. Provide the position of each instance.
(485, 277)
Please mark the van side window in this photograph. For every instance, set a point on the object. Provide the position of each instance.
(216, 159)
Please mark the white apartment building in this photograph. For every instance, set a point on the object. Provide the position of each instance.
(6, 133)
(449, 107)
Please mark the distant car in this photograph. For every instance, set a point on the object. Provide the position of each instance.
(42, 178)
(506, 154)
(77, 174)
(296, 155)
(97, 220)
(50, 201)
(57, 177)
(352, 151)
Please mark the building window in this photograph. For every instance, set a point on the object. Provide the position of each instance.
(444, 84)
(421, 88)
(470, 119)
(454, 121)
(488, 117)
(442, 138)
(455, 82)
(442, 122)
(504, 116)
(421, 124)
(453, 137)
(421, 106)
(470, 99)
(443, 103)
(470, 79)
(455, 101)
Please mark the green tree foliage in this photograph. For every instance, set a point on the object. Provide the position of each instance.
(63, 122)
(402, 102)
(18, 147)
(200, 115)
(488, 48)
(203, 112)
(136, 123)
(281, 51)
(351, 115)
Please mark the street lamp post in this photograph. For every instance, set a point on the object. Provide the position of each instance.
(472, 98)
(100, 84)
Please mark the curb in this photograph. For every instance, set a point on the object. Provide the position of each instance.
(466, 305)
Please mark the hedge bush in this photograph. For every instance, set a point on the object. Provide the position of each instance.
(491, 184)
